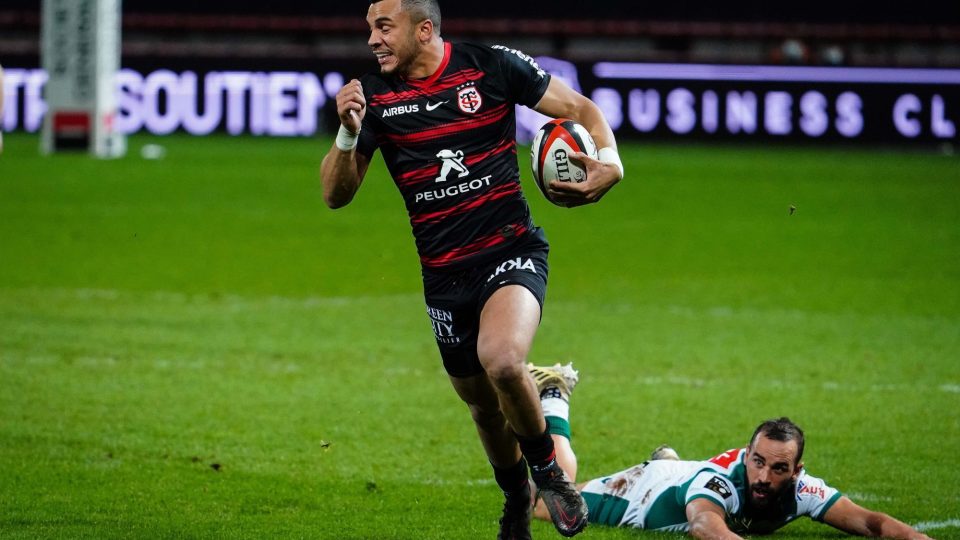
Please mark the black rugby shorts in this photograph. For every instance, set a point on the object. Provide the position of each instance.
(456, 298)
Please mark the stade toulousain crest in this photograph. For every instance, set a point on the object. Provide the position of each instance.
(469, 99)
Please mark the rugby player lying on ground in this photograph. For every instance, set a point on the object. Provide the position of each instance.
(752, 490)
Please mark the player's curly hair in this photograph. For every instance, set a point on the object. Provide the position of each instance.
(421, 10)
(781, 429)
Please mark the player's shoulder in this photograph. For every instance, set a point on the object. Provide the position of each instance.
(814, 496)
(475, 53)
(712, 483)
(728, 461)
(495, 53)
(518, 56)
(729, 466)
(809, 486)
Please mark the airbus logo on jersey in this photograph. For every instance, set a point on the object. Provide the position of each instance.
(406, 109)
(513, 264)
(402, 109)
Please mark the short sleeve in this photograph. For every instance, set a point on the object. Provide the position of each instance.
(715, 487)
(526, 82)
(367, 141)
(814, 496)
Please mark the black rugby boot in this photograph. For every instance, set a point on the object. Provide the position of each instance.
(517, 511)
(567, 508)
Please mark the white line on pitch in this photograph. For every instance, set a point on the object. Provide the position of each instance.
(931, 525)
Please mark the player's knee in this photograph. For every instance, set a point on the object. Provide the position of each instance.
(505, 369)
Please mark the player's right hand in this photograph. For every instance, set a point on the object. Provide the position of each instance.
(351, 105)
(600, 178)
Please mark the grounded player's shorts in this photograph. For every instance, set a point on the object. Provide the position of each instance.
(455, 299)
(625, 499)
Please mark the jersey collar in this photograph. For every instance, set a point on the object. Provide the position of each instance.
(428, 82)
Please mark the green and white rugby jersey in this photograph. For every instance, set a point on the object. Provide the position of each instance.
(654, 495)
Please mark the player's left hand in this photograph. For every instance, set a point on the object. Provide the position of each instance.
(600, 178)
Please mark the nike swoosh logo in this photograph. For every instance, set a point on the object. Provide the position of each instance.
(569, 522)
(432, 106)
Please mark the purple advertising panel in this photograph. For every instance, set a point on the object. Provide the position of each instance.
(645, 101)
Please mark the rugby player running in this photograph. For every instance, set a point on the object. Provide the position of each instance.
(442, 115)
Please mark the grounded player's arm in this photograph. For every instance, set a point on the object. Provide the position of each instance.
(850, 517)
(343, 168)
(561, 101)
(708, 521)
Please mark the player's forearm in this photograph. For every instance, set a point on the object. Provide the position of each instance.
(884, 526)
(560, 101)
(706, 534)
(339, 177)
(710, 528)
(591, 117)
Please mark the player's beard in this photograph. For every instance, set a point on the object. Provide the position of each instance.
(758, 502)
(772, 498)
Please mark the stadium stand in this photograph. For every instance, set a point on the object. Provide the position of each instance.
(886, 34)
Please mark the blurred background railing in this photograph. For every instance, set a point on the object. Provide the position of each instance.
(887, 34)
(684, 70)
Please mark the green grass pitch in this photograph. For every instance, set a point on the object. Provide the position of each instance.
(196, 347)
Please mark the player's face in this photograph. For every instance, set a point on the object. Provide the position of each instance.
(771, 468)
(393, 37)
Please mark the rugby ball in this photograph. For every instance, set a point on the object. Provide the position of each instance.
(550, 154)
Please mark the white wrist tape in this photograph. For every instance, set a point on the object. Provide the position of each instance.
(609, 155)
(346, 139)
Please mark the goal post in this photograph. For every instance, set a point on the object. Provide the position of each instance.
(80, 43)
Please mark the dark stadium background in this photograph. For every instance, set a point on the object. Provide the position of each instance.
(323, 37)
(895, 33)
(852, 12)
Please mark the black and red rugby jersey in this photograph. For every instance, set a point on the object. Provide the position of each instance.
(449, 142)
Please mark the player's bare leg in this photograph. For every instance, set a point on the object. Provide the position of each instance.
(498, 440)
(500, 444)
(508, 323)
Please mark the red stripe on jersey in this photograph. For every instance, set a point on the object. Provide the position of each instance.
(445, 83)
(490, 117)
(447, 48)
(499, 192)
(431, 171)
(478, 245)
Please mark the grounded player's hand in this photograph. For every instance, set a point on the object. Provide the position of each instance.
(351, 105)
(600, 178)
